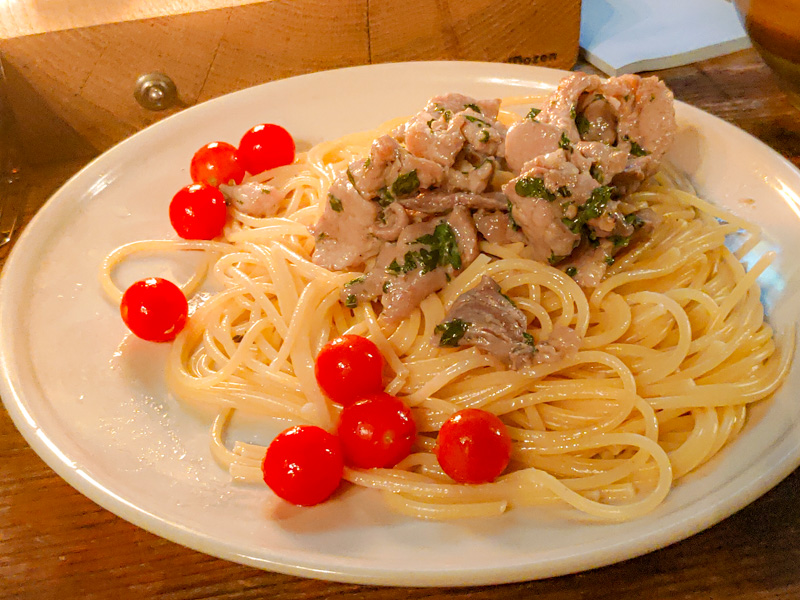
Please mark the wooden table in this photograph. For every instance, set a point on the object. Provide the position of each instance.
(55, 543)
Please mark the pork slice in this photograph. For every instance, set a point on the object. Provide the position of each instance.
(391, 171)
(528, 139)
(464, 176)
(538, 198)
(390, 222)
(562, 343)
(254, 198)
(601, 161)
(427, 255)
(562, 106)
(344, 236)
(496, 227)
(453, 125)
(483, 317)
(438, 202)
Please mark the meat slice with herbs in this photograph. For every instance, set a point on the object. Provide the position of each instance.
(436, 202)
(344, 237)
(254, 198)
(392, 172)
(426, 256)
(462, 135)
(487, 319)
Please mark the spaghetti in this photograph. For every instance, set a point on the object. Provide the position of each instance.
(674, 349)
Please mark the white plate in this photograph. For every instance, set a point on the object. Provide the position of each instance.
(92, 403)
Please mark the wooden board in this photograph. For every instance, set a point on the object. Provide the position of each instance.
(72, 90)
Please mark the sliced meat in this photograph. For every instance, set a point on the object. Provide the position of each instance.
(563, 343)
(455, 126)
(496, 227)
(468, 177)
(528, 139)
(391, 172)
(483, 317)
(254, 198)
(426, 256)
(437, 202)
(344, 236)
(540, 199)
(562, 106)
(390, 223)
(602, 162)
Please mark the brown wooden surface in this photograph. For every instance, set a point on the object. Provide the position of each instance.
(54, 543)
(73, 88)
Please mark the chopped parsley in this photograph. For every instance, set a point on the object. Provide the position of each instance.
(440, 249)
(610, 260)
(336, 204)
(637, 150)
(409, 264)
(386, 286)
(533, 187)
(573, 112)
(474, 107)
(406, 184)
(532, 113)
(555, 258)
(564, 192)
(451, 332)
(597, 174)
(620, 241)
(590, 209)
(350, 177)
(635, 220)
(484, 136)
(583, 125)
(529, 339)
(351, 301)
(443, 247)
(445, 112)
(571, 271)
(385, 197)
(357, 280)
(480, 122)
(565, 143)
(511, 220)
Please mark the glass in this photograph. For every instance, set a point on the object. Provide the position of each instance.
(774, 29)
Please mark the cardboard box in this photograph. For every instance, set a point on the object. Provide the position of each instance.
(71, 79)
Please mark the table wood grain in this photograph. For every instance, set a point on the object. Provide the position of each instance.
(55, 543)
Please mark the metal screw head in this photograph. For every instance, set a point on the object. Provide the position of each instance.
(155, 91)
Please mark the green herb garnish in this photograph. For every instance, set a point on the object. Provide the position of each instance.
(335, 203)
(451, 332)
(406, 184)
(533, 187)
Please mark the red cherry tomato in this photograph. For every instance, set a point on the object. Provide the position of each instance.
(377, 431)
(303, 465)
(265, 147)
(473, 446)
(154, 309)
(348, 368)
(198, 212)
(216, 163)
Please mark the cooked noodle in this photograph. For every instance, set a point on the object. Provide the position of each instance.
(674, 348)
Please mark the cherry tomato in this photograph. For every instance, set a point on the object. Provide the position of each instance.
(216, 163)
(377, 431)
(473, 446)
(265, 147)
(198, 212)
(303, 465)
(348, 368)
(154, 309)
